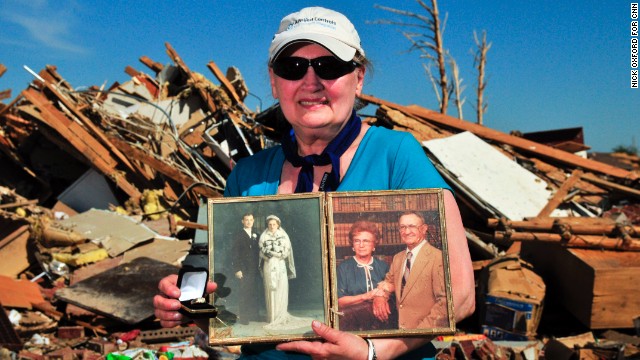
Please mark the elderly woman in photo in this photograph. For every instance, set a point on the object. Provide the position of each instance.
(277, 266)
(358, 278)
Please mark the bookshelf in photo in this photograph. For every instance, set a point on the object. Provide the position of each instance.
(383, 210)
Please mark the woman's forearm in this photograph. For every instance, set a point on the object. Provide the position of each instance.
(351, 300)
(462, 281)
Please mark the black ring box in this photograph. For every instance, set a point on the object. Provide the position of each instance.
(192, 282)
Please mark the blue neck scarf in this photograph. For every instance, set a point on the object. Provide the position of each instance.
(330, 155)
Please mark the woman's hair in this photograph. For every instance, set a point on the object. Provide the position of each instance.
(364, 226)
(273, 217)
(364, 62)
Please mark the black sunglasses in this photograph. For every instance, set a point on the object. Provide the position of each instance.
(326, 67)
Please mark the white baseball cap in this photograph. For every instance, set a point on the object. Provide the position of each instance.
(323, 26)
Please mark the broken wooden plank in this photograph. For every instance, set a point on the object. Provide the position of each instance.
(577, 225)
(578, 241)
(561, 193)
(18, 204)
(611, 185)
(192, 225)
(78, 137)
(92, 128)
(230, 90)
(208, 99)
(57, 79)
(17, 123)
(226, 85)
(130, 71)
(75, 134)
(7, 147)
(153, 65)
(164, 168)
(10, 105)
(517, 142)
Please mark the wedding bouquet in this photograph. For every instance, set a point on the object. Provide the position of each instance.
(272, 247)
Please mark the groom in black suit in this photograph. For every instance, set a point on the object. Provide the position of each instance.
(245, 267)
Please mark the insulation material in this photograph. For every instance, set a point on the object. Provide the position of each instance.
(499, 181)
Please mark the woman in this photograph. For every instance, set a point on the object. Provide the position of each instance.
(276, 258)
(358, 278)
(316, 70)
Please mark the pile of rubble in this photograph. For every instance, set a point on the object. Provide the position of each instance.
(101, 187)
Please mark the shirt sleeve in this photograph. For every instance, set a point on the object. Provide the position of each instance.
(412, 168)
(342, 279)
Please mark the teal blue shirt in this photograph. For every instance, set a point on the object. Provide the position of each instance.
(385, 160)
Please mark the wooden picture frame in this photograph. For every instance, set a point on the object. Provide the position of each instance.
(248, 313)
(425, 305)
(317, 229)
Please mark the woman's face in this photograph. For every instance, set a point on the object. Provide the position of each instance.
(312, 103)
(363, 243)
(272, 225)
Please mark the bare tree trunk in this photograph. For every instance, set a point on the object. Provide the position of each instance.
(430, 44)
(480, 60)
(440, 55)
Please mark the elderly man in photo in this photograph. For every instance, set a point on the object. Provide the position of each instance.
(416, 277)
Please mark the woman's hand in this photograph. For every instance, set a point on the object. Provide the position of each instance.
(337, 345)
(166, 304)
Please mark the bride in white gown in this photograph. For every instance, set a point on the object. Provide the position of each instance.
(277, 268)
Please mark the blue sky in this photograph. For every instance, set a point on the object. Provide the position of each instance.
(552, 64)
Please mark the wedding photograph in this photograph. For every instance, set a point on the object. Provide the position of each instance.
(268, 251)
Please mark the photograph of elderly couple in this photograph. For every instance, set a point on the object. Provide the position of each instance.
(372, 263)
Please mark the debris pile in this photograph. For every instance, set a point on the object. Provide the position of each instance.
(548, 206)
(100, 191)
